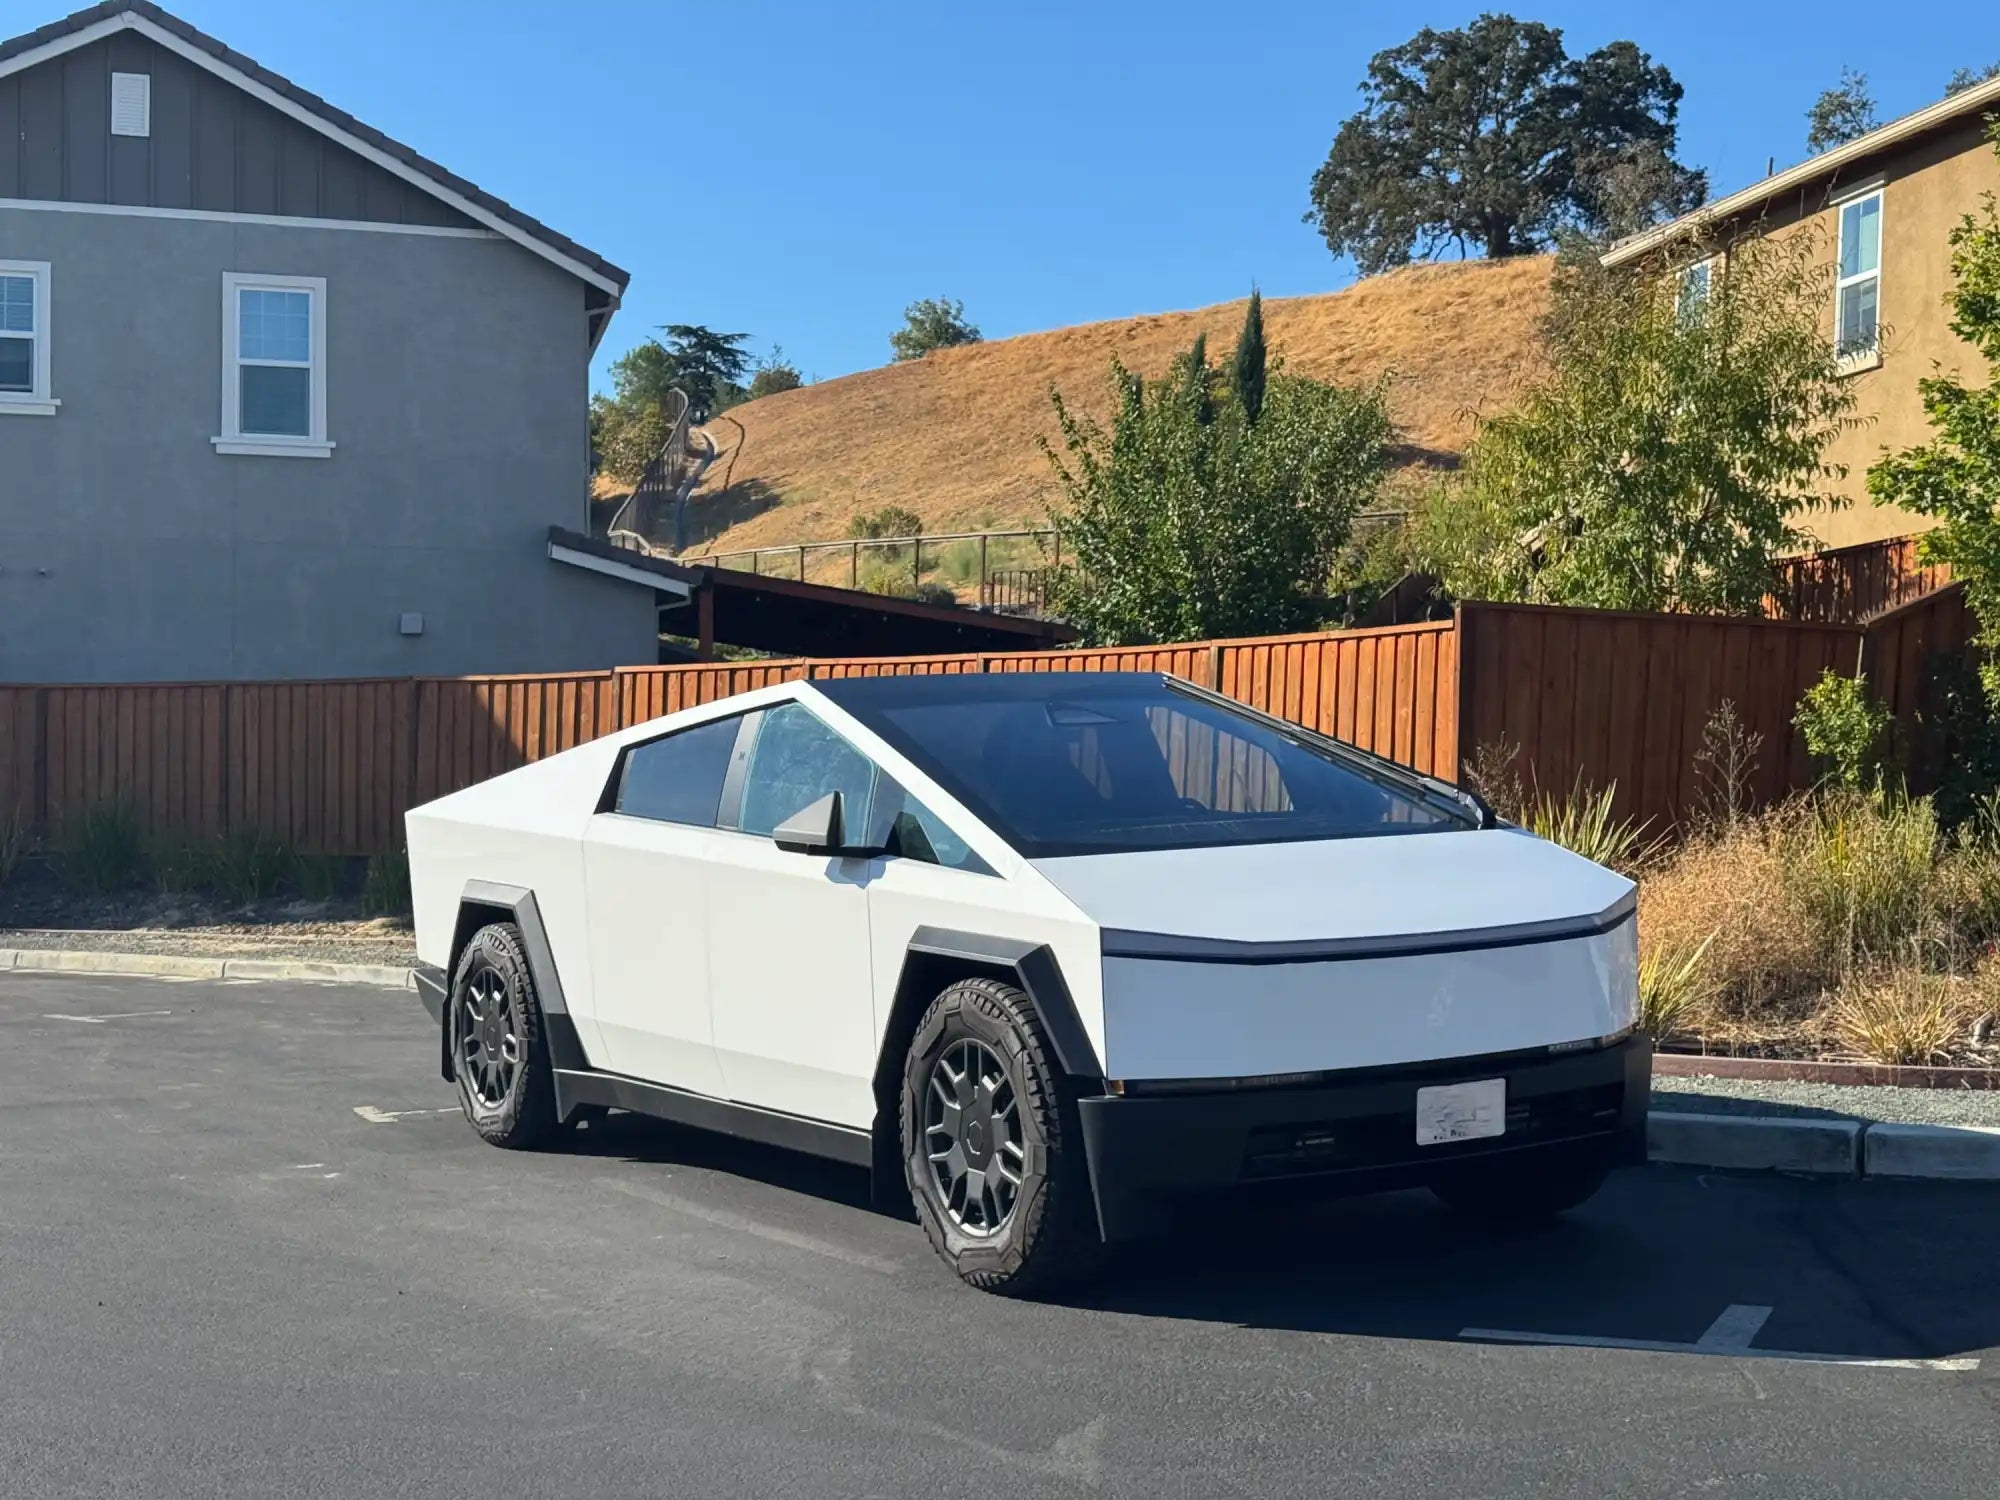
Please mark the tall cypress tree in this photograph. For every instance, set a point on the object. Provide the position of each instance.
(1248, 373)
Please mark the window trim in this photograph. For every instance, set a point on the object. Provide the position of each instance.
(39, 401)
(1868, 358)
(233, 440)
(1708, 266)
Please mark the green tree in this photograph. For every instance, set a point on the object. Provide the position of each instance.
(1493, 138)
(773, 375)
(1840, 114)
(1964, 78)
(932, 323)
(709, 366)
(1664, 461)
(1955, 477)
(1247, 369)
(627, 427)
(1181, 528)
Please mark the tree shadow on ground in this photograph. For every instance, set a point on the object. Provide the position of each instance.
(709, 515)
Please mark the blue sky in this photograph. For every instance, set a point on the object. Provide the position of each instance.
(802, 171)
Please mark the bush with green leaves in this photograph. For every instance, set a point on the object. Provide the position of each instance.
(17, 842)
(318, 877)
(385, 885)
(1586, 822)
(101, 849)
(1186, 520)
(250, 864)
(1846, 730)
(1671, 452)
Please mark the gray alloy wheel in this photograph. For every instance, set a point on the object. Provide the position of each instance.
(489, 1030)
(498, 1054)
(972, 1137)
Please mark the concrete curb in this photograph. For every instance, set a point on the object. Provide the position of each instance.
(1824, 1148)
(180, 966)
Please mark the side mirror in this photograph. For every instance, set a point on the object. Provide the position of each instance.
(820, 829)
(812, 830)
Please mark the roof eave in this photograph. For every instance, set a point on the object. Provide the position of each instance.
(1827, 164)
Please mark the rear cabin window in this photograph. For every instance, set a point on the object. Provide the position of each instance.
(1125, 769)
(678, 779)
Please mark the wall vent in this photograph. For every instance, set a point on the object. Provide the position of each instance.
(131, 103)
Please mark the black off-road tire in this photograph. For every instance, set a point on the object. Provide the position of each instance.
(1050, 1237)
(1523, 1191)
(524, 1117)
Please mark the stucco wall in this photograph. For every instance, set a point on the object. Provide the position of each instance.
(456, 375)
(1927, 188)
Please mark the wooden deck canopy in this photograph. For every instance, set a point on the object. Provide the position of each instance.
(728, 607)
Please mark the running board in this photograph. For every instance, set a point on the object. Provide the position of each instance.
(576, 1087)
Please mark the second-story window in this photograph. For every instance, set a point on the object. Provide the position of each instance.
(1695, 283)
(1857, 302)
(274, 366)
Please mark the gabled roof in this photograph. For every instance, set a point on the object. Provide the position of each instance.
(1827, 165)
(169, 31)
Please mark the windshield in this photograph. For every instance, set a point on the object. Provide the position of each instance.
(1139, 764)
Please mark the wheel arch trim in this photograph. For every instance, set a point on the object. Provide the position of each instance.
(478, 905)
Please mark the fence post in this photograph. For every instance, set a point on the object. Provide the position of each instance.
(1215, 668)
(854, 565)
(38, 791)
(802, 564)
(985, 585)
(1462, 631)
(917, 563)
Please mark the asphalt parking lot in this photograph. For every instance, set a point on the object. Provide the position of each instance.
(248, 1248)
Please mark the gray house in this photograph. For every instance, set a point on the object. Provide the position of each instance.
(278, 396)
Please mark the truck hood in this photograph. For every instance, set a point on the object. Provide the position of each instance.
(1411, 886)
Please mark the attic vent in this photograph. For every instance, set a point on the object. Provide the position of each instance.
(131, 103)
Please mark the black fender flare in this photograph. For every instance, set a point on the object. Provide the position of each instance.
(482, 903)
(934, 957)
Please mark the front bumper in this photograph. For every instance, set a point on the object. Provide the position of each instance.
(1354, 1132)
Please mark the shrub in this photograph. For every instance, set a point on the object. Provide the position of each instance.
(1672, 986)
(180, 862)
(318, 877)
(1493, 773)
(890, 520)
(385, 887)
(101, 849)
(1723, 767)
(250, 864)
(17, 841)
(1585, 822)
(1726, 893)
(1904, 1015)
(1862, 870)
(1846, 730)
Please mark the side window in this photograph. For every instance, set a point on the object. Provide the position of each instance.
(678, 779)
(1857, 299)
(796, 761)
(910, 830)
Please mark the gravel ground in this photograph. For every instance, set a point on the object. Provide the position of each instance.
(1737, 1096)
(385, 940)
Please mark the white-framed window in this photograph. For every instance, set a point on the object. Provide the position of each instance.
(1857, 300)
(273, 366)
(24, 339)
(1693, 288)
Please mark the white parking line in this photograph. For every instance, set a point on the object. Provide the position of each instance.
(1730, 1334)
(128, 1015)
(376, 1116)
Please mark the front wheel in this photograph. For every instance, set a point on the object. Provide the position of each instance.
(499, 1053)
(992, 1148)
(1522, 1190)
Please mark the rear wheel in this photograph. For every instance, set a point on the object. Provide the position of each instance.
(1523, 1191)
(992, 1149)
(499, 1054)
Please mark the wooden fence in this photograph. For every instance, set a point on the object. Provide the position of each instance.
(332, 766)
(1848, 585)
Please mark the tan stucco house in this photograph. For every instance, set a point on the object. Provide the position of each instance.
(1884, 205)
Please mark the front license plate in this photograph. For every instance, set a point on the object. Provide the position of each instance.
(1461, 1111)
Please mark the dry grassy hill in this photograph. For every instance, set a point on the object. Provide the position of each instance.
(952, 436)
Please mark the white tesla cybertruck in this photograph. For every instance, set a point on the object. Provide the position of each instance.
(1050, 953)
